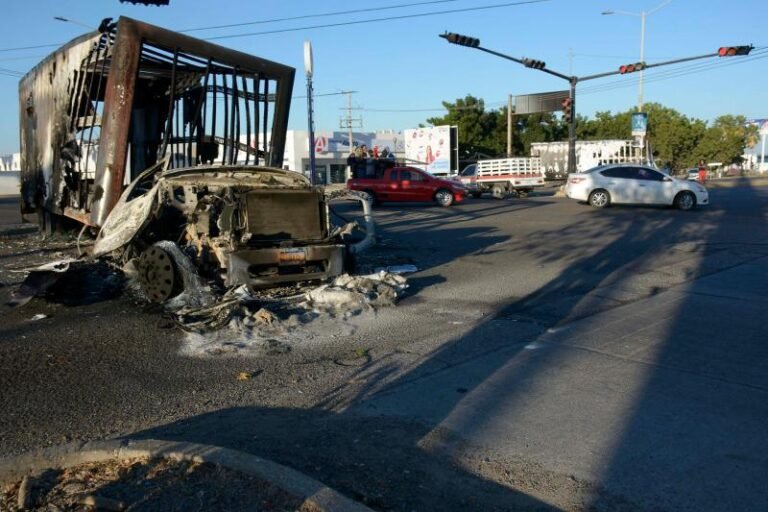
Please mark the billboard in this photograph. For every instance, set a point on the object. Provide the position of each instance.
(430, 149)
(338, 142)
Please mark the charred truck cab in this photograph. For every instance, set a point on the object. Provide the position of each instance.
(172, 145)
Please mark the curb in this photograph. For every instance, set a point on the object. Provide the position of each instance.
(293, 482)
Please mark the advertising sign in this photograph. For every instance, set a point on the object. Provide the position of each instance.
(338, 142)
(639, 124)
(429, 148)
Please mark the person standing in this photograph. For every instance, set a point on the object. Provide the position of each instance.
(702, 172)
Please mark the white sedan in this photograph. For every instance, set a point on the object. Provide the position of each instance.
(633, 184)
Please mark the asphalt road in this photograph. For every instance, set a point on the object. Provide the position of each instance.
(548, 355)
(9, 210)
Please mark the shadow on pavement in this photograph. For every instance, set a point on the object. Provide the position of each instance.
(554, 397)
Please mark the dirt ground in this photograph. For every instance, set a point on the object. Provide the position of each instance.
(145, 485)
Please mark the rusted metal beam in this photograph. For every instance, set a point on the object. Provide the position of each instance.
(118, 103)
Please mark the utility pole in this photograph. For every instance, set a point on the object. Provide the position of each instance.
(509, 126)
(349, 122)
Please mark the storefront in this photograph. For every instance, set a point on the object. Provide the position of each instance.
(332, 150)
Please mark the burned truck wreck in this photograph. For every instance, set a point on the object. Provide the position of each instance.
(171, 148)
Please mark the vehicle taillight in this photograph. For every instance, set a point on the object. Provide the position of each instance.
(576, 179)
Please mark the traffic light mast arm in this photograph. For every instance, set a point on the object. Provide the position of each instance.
(647, 66)
(520, 61)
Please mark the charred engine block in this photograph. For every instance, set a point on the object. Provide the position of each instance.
(254, 236)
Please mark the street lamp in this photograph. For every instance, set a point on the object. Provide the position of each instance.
(641, 15)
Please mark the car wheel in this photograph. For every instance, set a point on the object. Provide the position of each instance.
(498, 192)
(444, 197)
(685, 201)
(158, 275)
(599, 198)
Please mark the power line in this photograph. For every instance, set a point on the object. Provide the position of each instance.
(761, 53)
(657, 76)
(11, 72)
(331, 25)
(30, 47)
(23, 57)
(317, 15)
(375, 20)
(674, 73)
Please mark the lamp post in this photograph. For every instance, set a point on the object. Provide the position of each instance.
(642, 15)
(309, 70)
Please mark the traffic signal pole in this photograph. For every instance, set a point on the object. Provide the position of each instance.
(573, 80)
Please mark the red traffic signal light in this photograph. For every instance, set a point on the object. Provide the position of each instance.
(730, 51)
(454, 38)
(535, 64)
(568, 110)
(631, 68)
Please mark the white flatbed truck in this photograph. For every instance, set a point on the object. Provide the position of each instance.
(502, 176)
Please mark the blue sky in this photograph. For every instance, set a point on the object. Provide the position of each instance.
(401, 66)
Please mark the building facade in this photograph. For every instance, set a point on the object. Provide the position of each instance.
(332, 150)
(10, 162)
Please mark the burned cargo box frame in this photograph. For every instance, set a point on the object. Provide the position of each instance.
(173, 147)
(112, 103)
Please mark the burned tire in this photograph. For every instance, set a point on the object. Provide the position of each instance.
(599, 198)
(498, 191)
(685, 201)
(157, 274)
(444, 197)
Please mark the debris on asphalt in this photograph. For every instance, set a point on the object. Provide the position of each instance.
(38, 281)
(23, 500)
(253, 322)
(244, 376)
(217, 319)
(399, 269)
(100, 503)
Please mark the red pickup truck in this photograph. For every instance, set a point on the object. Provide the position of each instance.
(409, 184)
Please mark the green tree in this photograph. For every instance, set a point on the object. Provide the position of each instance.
(476, 126)
(676, 140)
(725, 140)
(673, 136)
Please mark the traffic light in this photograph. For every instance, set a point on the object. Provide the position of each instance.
(535, 64)
(631, 68)
(461, 40)
(568, 110)
(730, 51)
